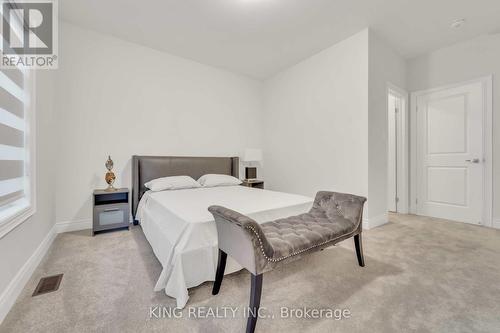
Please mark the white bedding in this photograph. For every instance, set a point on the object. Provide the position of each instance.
(183, 234)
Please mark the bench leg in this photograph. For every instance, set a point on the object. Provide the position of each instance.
(221, 266)
(359, 249)
(253, 310)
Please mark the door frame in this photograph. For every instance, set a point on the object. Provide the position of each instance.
(402, 157)
(487, 83)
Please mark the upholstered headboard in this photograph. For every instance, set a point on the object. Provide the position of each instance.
(146, 168)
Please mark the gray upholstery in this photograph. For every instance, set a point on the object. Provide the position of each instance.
(333, 218)
(146, 168)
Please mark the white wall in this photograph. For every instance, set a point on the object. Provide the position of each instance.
(316, 121)
(385, 66)
(392, 171)
(18, 249)
(119, 98)
(461, 62)
(325, 122)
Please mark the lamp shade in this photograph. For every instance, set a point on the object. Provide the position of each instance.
(252, 155)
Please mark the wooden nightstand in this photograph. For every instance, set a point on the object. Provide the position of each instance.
(111, 210)
(253, 183)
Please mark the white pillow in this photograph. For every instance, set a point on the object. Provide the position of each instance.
(172, 183)
(212, 180)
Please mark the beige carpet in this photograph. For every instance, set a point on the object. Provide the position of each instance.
(421, 275)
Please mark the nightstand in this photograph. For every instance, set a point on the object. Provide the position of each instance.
(253, 183)
(111, 210)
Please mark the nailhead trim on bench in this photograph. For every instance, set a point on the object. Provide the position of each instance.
(294, 253)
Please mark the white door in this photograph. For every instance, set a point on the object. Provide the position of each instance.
(450, 153)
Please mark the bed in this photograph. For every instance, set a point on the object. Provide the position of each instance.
(178, 225)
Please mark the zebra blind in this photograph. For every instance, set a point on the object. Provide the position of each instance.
(17, 162)
(13, 149)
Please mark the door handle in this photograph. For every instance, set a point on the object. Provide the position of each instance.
(474, 160)
(112, 209)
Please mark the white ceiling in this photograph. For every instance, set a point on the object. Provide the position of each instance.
(261, 37)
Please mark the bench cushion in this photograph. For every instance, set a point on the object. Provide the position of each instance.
(291, 235)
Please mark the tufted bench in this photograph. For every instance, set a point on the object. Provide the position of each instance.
(262, 247)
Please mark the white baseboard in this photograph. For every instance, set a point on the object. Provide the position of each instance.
(375, 221)
(496, 223)
(13, 290)
(75, 225)
(68, 226)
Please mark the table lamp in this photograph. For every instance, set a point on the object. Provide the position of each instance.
(252, 155)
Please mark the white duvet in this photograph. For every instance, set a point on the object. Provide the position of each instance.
(183, 234)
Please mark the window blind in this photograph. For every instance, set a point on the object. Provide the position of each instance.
(13, 152)
(17, 168)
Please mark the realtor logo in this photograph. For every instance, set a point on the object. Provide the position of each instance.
(29, 31)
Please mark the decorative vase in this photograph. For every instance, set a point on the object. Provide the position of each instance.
(110, 175)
